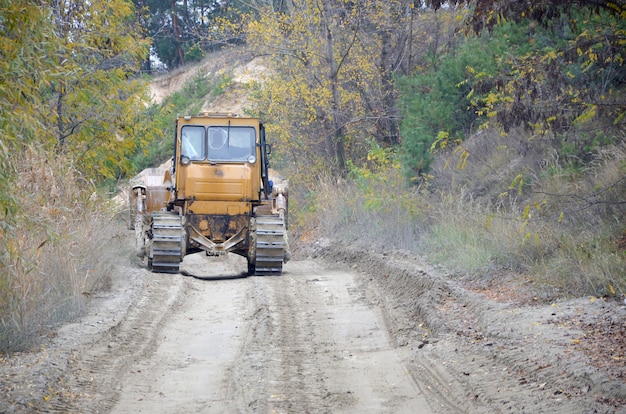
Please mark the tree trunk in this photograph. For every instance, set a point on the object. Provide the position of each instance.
(389, 120)
(338, 127)
(178, 39)
(60, 123)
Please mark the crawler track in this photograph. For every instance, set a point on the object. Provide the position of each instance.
(270, 245)
(167, 242)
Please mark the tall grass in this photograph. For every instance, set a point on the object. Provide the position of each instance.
(56, 253)
(370, 213)
(564, 229)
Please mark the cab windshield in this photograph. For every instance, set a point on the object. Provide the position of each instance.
(231, 143)
(218, 143)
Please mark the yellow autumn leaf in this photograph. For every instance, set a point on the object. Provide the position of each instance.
(611, 289)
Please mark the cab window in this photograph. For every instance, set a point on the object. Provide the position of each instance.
(231, 143)
(193, 142)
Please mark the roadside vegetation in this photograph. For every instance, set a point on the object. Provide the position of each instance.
(488, 139)
(71, 115)
(498, 152)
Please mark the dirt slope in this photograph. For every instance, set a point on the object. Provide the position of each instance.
(237, 65)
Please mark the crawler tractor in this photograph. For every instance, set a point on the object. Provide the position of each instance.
(216, 197)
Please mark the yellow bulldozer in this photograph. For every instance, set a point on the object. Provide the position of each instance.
(217, 196)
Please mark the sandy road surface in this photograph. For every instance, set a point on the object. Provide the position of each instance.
(302, 342)
(306, 341)
(355, 333)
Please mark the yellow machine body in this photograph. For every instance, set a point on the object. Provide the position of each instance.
(219, 186)
(216, 197)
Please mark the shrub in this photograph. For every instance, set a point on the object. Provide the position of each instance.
(438, 101)
(563, 230)
(55, 253)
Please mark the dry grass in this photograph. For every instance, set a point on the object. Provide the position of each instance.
(54, 255)
(377, 216)
(560, 228)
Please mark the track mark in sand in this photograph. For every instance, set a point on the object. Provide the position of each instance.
(315, 346)
(134, 338)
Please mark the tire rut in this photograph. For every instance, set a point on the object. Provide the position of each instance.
(316, 346)
(110, 357)
(280, 351)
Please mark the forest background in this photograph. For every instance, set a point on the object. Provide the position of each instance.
(486, 136)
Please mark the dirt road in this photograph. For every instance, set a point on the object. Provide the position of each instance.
(298, 343)
(356, 333)
(303, 342)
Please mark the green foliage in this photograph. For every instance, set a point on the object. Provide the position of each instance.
(78, 98)
(558, 76)
(95, 109)
(379, 161)
(554, 77)
(437, 101)
(373, 210)
(330, 89)
(567, 242)
(155, 138)
(461, 246)
(24, 33)
(179, 29)
(194, 54)
(191, 97)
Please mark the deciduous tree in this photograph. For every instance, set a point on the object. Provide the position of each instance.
(92, 107)
(332, 88)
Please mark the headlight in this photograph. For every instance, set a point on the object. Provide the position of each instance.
(184, 160)
(251, 159)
